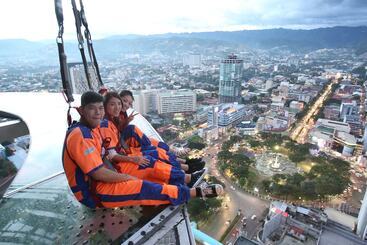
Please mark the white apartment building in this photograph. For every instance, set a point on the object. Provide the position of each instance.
(176, 101)
(145, 101)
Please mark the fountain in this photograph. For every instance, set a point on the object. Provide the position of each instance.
(270, 163)
(275, 165)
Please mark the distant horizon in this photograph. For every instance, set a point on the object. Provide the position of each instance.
(186, 32)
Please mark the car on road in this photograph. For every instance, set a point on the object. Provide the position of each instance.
(253, 217)
(232, 187)
(227, 222)
(243, 219)
(244, 224)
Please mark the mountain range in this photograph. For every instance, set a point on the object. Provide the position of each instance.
(172, 43)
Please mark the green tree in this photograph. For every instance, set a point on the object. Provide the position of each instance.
(200, 97)
(308, 188)
(235, 139)
(203, 209)
(169, 135)
(254, 143)
(265, 185)
(196, 142)
(239, 159)
(224, 155)
(251, 179)
(251, 88)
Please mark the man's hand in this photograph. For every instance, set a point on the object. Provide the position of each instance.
(142, 161)
(130, 177)
(106, 175)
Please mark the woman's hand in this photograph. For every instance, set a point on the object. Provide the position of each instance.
(140, 160)
(131, 117)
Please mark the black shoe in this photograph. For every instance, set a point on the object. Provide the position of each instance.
(209, 191)
(193, 160)
(196, 177)
(196, 166)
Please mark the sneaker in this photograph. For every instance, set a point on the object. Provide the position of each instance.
(213, 190)
(197, 177)
(195, 166)
(193, 160)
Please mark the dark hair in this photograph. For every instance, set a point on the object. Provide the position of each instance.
(109, 96)
(90, 97)
(126, 93)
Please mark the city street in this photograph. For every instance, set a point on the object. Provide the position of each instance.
(300, 133)
(234, 201)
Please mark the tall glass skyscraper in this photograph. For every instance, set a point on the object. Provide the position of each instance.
(230, 79)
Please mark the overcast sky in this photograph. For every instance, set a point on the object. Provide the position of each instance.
(35, 19)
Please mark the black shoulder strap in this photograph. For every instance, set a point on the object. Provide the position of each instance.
(62, 56)
(78, 24)
(88, 37)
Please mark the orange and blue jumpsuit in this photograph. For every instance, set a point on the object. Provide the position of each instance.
(156, 170)
(82, 157)
(137, 142)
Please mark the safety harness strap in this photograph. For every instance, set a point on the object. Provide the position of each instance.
(62, 56)
(78, 24)
(88, 37)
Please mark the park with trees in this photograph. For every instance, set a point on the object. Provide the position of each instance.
(319, 176)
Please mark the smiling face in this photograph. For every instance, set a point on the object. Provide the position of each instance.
(127, 102)
(113, 107)
(92, 114)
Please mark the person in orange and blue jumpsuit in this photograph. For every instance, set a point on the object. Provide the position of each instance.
(139, 142)
(134, 140)
(135, 163)
(134, 137)
(94, 185)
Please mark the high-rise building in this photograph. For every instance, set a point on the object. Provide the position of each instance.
(145, 101)
(231, 114)
(230, 79)
(226, 115)
(78, 78)
(268, 84)
(192, 60)
(176, 101)
(348, 109)
(213, 116)
(283, 89)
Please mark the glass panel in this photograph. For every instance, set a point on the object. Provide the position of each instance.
(45, 116)
(49, 214)
(14, 146)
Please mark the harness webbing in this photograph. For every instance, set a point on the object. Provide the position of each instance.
(88, 37)
(62, 56)
(80, 20)
(78, 25)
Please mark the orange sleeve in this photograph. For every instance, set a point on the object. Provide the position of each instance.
(113, 133)
(84, 152)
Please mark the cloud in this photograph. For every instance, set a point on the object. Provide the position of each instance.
(306, 14)
(111, 17)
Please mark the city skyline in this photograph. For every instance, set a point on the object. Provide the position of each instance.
(120, 18)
